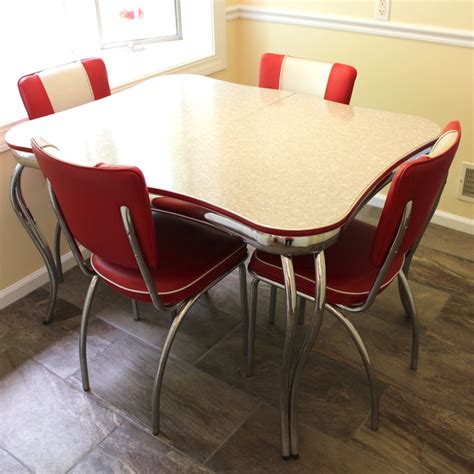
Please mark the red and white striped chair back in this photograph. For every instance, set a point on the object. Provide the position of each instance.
(63, 87)
(419, 181)
(330, 81)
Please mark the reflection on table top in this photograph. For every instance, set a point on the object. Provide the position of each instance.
(282, 162)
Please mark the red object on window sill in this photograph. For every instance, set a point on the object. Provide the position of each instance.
(130, 14)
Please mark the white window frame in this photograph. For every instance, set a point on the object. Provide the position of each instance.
(139, 41)
(211, 63)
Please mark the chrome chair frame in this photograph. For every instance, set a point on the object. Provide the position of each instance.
(178, 311)
(337, 312)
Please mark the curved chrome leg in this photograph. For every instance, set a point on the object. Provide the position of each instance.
(290, 286)
(407, 298)
(244, 306)
(301, 310)
(403, 297)
(374, 399)
(251, 329)
(271, 310)
(57, 253)
(83, 334)
(310, 339)
(156, 395)
(25, 217)
(135, 310)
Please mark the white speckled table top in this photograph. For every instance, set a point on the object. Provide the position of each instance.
(281, 162)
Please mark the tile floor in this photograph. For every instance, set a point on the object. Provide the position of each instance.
(216, 419)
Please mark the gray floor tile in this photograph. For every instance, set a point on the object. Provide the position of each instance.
(255, 448)
(416, 435)
(10, 465)
(131, 450)
(47, 424)
(444, 371)
(198, 412)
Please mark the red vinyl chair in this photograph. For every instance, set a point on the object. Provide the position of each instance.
(366, 259)
(54, 90)
(330, 81)
(143, 255)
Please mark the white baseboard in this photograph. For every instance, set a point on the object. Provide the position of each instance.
(445, 219)
(26, 285)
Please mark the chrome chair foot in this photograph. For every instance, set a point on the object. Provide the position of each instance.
(135, 310)
(271, 309)
(251, 328)
(83, 333)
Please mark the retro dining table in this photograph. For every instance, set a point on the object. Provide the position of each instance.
(284, 171)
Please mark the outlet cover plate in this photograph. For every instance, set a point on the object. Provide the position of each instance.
(382, 10)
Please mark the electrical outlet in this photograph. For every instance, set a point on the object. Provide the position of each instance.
(382, 9)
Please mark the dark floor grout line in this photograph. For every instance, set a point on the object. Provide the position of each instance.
(237, 428)
(17, 459)
(81, 458)
(216, 343)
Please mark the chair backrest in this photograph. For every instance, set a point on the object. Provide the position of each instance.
(330, 81)
(90, 199)
(420, 181)
(63, 87)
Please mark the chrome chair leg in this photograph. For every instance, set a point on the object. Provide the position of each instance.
(156, 395)
(57, 253)
(290, 287)
(271, 310)
(135, 310)
(408, 300)
(83, 334)
(310, 339)
(244, 306)
(28, 222)
(251, 329)
(403, 297)
(301, 310)
(349, 327)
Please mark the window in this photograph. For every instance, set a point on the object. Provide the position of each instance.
(59, 31)
(136, 22)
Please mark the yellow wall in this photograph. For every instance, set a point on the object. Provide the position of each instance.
(431, 80)
(445, 13)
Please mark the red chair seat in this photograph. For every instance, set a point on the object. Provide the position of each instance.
(350, 273)
(178, 206)
(193, 256)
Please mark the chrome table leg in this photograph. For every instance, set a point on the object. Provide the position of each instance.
(135, 310)
(290, 286)
(271, 310)
(244, 306)
(311, 336)
(28, 222)
(301, 310)
(251, 327)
